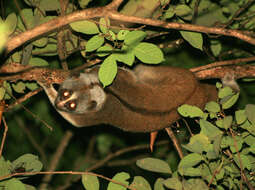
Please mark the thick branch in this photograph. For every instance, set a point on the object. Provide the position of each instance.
(108, 11)
(15, 72)
(241, 71)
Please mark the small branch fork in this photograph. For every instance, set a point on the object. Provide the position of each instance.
(110, 12)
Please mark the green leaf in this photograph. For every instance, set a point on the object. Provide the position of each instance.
(140, 183)
(108, 71)
(250, 113)
(208, 129)
(148, 53)
(85, 27)
(121, 177)
(11, 22)
(31, 85)
(90, 182)
(189, 161)
(183, 11)
(215, 47)
(226, 142)
(30, 187)
(36, 61)
(104, 23)
(212, 107)
(198, 143)
(8, 90)
(134, 37)
(42, 42)
(50, 5)
(5, 167)
(252, 148)
(210, 153)
(126, 57)
(249, 127)
(240, 116)
(2, 93)
(229, 102)
(191, 172)
(29, 161)
(5, 90)
(158, 185)
(227, 122)
(169, 13)
(239, 143)
(110, 36)
(3, 35)
(104, 51)
(14, 184)
(28, 15)
(218, 85)
(48, 50)
(19, 87)
(195, 184)
(195, 39)
(216, 144)
(94, 43)
(245, 161)
(122, 34)
(190, 111)
(229, 142)
(83, 3)
(219, 123)
(224, 92)
(173, 183)
(154, 165)
(248, 139)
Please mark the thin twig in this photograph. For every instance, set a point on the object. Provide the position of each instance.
(23, 98)
(21, 15)
(195, 13)
(239, 11)
(27, 110)
(4, 137)
(33, 141)
(64, 173)
(120, 152)
(223, 63)
(69, 179)
(55, 159)
(244, 177)
(175, 141)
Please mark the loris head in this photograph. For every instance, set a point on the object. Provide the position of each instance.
(80, 94)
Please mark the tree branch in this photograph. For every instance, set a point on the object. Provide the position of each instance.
(108, 11)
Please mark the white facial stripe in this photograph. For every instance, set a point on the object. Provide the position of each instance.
(63, 102)
(98, 95)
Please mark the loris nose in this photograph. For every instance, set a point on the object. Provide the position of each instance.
(60, 104)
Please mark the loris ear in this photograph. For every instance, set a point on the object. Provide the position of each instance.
(154, 89)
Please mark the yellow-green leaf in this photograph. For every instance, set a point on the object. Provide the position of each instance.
(85, 26)
(90, 182)
(194, 38)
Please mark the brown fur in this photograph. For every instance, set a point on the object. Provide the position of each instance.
(145, 99)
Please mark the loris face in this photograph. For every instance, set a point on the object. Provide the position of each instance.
(80, 94)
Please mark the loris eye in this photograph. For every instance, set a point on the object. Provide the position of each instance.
(71, 105)
(65, 94)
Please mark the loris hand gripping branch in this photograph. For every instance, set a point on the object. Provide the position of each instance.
(141, 100)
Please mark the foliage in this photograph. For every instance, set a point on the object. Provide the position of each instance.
(218, 155)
